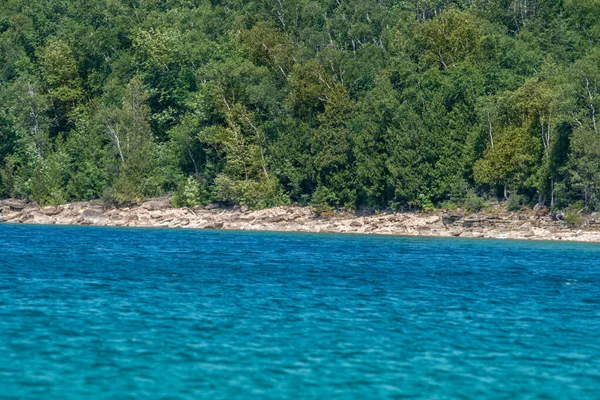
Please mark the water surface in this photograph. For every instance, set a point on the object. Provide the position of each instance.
(109, 313)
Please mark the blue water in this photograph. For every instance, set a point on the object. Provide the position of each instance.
(109, 313)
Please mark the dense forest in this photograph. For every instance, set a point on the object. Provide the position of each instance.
(334, 103)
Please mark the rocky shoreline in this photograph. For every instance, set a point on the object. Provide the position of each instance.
(159, 213)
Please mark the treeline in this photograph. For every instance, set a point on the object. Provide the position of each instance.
(382, 103)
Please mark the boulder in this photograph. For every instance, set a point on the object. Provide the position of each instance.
(276, 219)
(214, 225)
(540, 210)
(157, 215)
(559, 216)
(50, 211)
(529, 234)
(10, 217)
(475, 220)
(527, 226)
(156, 205)
(93, 217)
(131, 217)
(15, 204)
(39, 218)
(449, 219)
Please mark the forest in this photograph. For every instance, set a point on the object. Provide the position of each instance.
(389, 104)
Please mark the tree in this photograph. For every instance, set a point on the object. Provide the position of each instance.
(452, 37)
(332, 149)
(508, 162)
(135, 152)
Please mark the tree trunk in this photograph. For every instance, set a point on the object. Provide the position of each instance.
(551, 192)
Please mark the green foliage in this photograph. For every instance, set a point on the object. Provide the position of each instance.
(507, 162)
(515, 202)
(336, 104)
(424, 203)
(49, 179)
(574, 216)
(136, 155)
(474, 203)
(191, 192)
(254, 194)
(452, 37)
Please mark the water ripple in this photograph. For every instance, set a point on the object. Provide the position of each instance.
(110, 313)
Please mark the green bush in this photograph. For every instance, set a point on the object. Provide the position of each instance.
(49, 180)
(323, 200)
(574, 219)
(191, 193)
(448, 205)
(425, 203)
(254, 194)
(515, 202)
(474, 203)
(574, 215)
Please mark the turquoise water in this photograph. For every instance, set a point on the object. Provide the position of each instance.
(108, 313)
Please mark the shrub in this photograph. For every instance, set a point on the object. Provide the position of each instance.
(254, 194)
(474, 203)
(448, 205)
(574, 215)
(190, 193)
(49, 180)
(574, 219)
(323, 200)
(425, 203)
(515, 202)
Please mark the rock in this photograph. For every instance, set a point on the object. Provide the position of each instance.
(157, 215)
(214, 225)
(527, 226)
(449, 219)
(432, 220)
(93, 217)
(474, 220)
(15, 204)
(10, 217)
(211, 206)
(156, 205)
(50, 211)
(276, 219)
(415, 222)
(529, 234)
(38, 218)
(558, 217)
(540, 212)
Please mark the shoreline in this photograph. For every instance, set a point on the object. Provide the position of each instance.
(158, 213)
